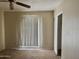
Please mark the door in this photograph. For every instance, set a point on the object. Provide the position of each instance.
(59, 35)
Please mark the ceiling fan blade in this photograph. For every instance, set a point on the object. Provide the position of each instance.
(22, 4)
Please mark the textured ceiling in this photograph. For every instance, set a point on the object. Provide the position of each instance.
(36, 5)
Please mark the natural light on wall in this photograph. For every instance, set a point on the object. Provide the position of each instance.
(29, 31)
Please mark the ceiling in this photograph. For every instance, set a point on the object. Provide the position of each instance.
(36, 5)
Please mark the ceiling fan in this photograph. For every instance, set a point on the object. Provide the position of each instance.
(18, 3)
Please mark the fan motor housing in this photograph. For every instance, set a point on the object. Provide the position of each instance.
(11, 0)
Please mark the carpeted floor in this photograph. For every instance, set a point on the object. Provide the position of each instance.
(28, 54)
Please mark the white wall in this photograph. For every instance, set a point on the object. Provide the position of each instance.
(2, 38)
(70, 28)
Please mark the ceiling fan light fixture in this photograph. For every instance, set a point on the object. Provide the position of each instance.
(11, 5)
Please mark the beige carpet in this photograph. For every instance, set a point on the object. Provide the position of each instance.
(28, 54)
